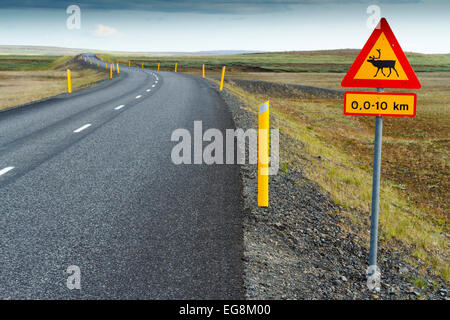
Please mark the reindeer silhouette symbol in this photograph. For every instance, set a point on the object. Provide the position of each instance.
(381, 64)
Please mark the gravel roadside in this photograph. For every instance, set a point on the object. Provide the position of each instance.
(295, 249)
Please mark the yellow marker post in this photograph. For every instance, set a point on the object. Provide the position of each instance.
(69, 82)
(129, 64)
(118, 70)
(158, 66)
(90, 61)
(203, 71)
(114, 67)
(85, 60)
(176, 66)
(263, 155)
(98, 64)
(110, 71)
(221, 79)
(142, 65)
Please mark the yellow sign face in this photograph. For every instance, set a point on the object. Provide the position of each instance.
(380, 104)
(381, 63)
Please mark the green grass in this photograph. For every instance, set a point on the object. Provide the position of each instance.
(26, 79)
(30, 63)
(284, 168)
(419, 281)
(319, 61)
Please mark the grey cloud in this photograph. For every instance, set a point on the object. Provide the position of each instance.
(198, 6)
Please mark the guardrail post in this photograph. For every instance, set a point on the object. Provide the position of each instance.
(263, 155)
(222, 78)
(69, 82)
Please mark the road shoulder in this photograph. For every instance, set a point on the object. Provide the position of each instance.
(297, 249)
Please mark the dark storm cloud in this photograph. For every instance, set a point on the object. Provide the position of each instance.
(200, 6)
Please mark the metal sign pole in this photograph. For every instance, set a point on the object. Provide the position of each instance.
(375, 189)
(364, 73)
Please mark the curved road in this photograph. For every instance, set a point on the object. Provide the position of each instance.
(87, 180)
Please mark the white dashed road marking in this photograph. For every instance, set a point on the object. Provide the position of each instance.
(119, 107)
(5, 170)
(82, 128)
(139, 96)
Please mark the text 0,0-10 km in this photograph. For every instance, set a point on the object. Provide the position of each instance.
(380, 104)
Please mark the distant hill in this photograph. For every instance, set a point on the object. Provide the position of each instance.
(39, 50)
(224, 52)
(59, 51)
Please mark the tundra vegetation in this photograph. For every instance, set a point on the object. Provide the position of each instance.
(334, 61)
(25, 79)
(414, 202)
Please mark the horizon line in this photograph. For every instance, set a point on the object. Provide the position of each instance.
(194, 52)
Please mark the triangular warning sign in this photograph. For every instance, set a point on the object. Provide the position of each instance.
(381, 63)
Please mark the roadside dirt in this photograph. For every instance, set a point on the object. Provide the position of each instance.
(297, 249)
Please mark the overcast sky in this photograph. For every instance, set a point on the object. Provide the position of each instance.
(203, 25)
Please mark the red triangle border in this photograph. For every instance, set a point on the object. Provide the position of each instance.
(349, 79)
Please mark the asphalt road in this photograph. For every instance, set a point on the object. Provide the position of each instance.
(87, 180)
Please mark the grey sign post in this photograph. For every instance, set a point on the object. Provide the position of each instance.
(375, 192)
(361, 75)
